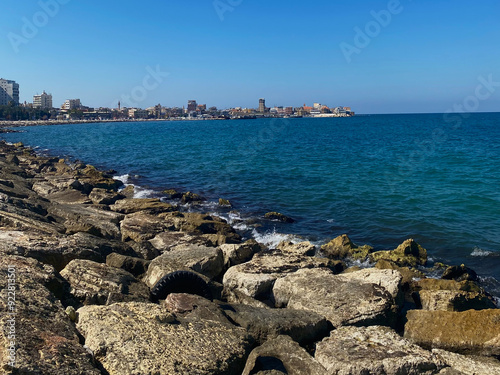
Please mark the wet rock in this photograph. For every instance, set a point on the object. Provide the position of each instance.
(59, 250)
(340, 299)
(342, 247)
(408, 254)
(373, 350)
(256, 277)
(302, 248)
(172, 193)
(151, 206)
(263, 323)
(191, 197)
(136, 266)
(103, 196)
(91, 178)
(97, 283)
(468, 365)
(239, 253)
(207, 261)
(279, 217)
(460, 273)
(468, 332)
(282, 355)
(128, 191)
(157, 343)
(45, 339)
(224, 203)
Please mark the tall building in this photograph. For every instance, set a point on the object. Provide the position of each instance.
(43, 101)
(192, 106)
(71, 104)
(262, 105)
(9, 92)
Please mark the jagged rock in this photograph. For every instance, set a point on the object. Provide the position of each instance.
(157, 343)
(224, 203)
(236, 296)
(194, 307)
(256, 277)
(342, 247)
(390, 280)
(373, 350)
(140, 227)
(282, 355)
(191, 197)
(215, 240)
(104, 196)
(302, 248)
(88, 219)
(128, 191)
(91, 178)
(460, 273)
(408, 274)
(263, 323)
(136, 266)
(468, 332)
(59, 250)
(172, 193)
(279, 217)
(239, 253)
(408, 254)
(151, 206)
(468, 365)
(46, 341)
(207, 261)
(450, 300)
(340, 299)
(97, 283)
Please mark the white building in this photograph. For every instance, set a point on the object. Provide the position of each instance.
(9, 92)
(43, 101)
(71, 104)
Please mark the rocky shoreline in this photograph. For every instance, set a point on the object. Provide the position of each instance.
(95, 281)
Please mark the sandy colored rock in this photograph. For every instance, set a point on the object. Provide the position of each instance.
(104, 196)
(302, 248)
(408, 254)
(469, 365)
(151, 206)
(140, 227)
(468, 332)
(340, 299)
(239, 253)
(100, 284)
(450, 300)
(256, 277)
(136, 266)
(373, 350)
(144, 338)
(342, 247)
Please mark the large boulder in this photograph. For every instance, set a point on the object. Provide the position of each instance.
(140, 227)
(373, 350)
(149, 205)
(165, 241)
(136, 266)
(341, 299)
(207, 261)
(282, 355)
(342, 247)
(256, 277)
(239, 253)
(408, 254)
(469, 365)
(99, 284)
(468, 332)
(43, 339)
(301, 248)
(144, 338)
(263, 323)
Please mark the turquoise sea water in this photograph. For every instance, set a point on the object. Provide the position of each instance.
(381, 178)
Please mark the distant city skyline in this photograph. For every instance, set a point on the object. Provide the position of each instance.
(374, 56)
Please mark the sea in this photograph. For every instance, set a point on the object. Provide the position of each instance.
(378, 178)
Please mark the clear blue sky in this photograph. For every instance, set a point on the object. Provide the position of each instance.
(427, 58)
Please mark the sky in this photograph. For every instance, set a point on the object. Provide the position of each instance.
(407, 56)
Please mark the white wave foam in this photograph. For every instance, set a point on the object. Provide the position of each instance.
(143, 193)
(478, 252)
(272, 239)
(123, 178)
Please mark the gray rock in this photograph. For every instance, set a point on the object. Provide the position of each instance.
(340, 299)
(165, 241)
(282, 355)
(263, 323)
(301, 248)
(239, 253)
(193, 307)
(468, 332)
(136, 266)
(140, 227)
(144, 338)
(104, 196)
(97, 283)
(468, 365)
(373, 350)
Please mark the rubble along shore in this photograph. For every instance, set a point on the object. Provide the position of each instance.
(80, 257)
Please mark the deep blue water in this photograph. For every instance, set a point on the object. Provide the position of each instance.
(381, 178)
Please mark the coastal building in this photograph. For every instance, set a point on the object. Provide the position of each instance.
(43, 101)
(137, 113)
(262, 105)
(192, 106)
(9, 92)
(72, 104)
